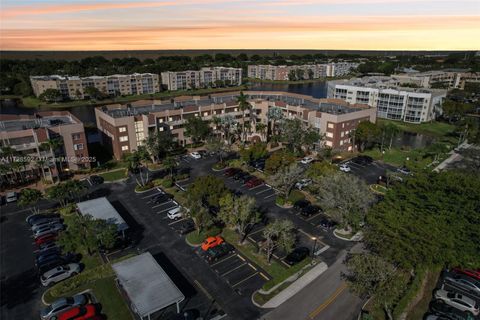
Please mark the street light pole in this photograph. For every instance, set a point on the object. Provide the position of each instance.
(314, 244)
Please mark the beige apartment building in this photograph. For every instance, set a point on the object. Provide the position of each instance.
(73, 87)
(29, 135)
(316, 71)
(205, 77)
(451, 79)
(125, 127)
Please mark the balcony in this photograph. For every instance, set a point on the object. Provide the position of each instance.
(25, 146)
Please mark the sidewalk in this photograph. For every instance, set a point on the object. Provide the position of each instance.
(452, 158)
(296, 286)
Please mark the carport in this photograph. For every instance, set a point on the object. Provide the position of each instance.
(101, 208)
(147, 285)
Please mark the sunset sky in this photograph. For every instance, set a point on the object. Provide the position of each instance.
(246, 24)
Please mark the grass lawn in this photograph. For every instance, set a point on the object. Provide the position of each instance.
(197, 238)
(417, 158)
(114, 175)
(434, 128)
(419, 309)
(91, 262)
(275, 269)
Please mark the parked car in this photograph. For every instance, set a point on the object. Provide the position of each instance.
(187, 227)
(221, 250)
(464, 282)
(310, 210)
(46, 254)
(303, 183)
(327, 224)
(195, 155)
(48, 246)
(86, 312)
(37, 218)
(474, 273)
(306, 160)
(164, 197)
(253, 182)
(45, 238)
(211, 242)
(297, 255)
(11, 197)
(450, 312)
(62, 305)
(239, 175)
(345, 168)
(230, 172)
(53, 228)
(96, 180)
(175, 213)
(457, 301)
(258, 164)
(44, 223)
(60, 273)
(300, 204)
(246, 178)
(53, 261)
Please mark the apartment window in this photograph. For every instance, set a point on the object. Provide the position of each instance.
(341, 142)
(122, 129)
(161, 128)
(236, 109)
(160, 120)
(342, 134)
(205, 114)
(170, 119)
(78, 146)
(330, 126)
(328, 143)
(76, 136)
(329, 135)
(343, 125)
(171, 127)
(124, 148)
(123, 138)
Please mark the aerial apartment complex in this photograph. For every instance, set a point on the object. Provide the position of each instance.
(391, 100)
(125, 127)
(310, 71)
(29, 136)
(73, 87)
(205, 77)
(448, 78)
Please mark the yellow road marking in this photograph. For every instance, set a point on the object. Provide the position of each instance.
(327, 302)
(203, 289)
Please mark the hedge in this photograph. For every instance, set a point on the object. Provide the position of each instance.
(295, 196)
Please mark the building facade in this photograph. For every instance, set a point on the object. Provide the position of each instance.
(309, 71)
(125, 127)
(32, 155)
(203, 78)
(73, 87)
(391, 100)
(448, 79)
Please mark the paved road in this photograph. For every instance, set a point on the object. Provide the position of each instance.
(325, 298)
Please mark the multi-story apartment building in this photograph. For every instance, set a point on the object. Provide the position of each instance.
(205, 77)
(390, 99)
(73, 87)
(125, 127)
(271, 72)
(448, 78)
(29, 137)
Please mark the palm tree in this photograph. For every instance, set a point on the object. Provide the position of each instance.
(244, 105)
(274, 115)
(40, 162)
(262, 129)
(169, 163)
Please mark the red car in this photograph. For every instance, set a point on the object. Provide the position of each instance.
(85, 312)
(469, 272)
(211, 242)
(253, 182)
(231, 171)
(46, 238)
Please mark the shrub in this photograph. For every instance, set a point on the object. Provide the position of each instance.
(280, 200)
(167, 183)
(295, 195)
(182, 176)
(219, 165)
(157, 182)
(145, 187)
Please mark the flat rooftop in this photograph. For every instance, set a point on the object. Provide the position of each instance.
(101, 208)
(43, 122)
(382, 82)
(290, 99)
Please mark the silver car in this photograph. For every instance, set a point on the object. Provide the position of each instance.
(60, 273)
(458, 301)
(48, 229)
(44, 223)
(63, 304)
(465, 283)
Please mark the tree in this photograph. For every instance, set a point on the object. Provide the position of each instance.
(244, 105)
(197, 129)
(253, 152)
(159, 144)
(300, 73)
(278, 234)
(454, 110)
(320, 169)
(239, 213)
(292, 76)
(285, 179)
(365, 134)
(431, 219)
(30, 197)
(66, 192)
(93, 93)
(51, 95)
(346, 196)
(216, 145)
(206, 189)
(262, 129)
(274, 115)
(310, 74)
(169, 164)
(296, 135)
(202, 218)
(278, 160)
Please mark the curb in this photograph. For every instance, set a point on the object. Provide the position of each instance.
(218, 170)
(191, 244)
(354, 238)
(140, 192)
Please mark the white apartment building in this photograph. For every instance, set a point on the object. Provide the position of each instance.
(271, 72)
(73, 87)
(205, 77)
(450, 78)
(390, 99)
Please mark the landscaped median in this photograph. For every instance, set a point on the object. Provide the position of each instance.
(114, 175)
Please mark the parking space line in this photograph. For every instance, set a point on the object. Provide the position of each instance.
(260, 185)
(264, 276)
(231, 270)
(261, 229)
(263, 191)
(170, 208)
(251, 266)
(218, 262)
(156, 193)
(249, 277)
(243, 259)
(161, 204)
(312, 217)
(274, 194)
(176, 221)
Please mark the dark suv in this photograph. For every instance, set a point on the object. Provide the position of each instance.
(221, 250)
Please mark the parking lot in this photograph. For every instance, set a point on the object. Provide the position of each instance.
(369, 172)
